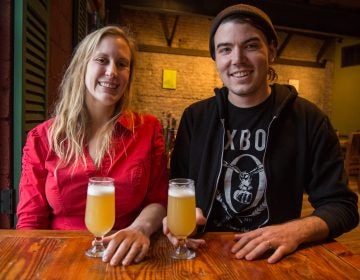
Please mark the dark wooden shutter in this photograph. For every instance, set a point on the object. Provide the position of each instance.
(30, 72)
(35, 64)
(80, 21)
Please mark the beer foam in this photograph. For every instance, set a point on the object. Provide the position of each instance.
(179, 192)
(96, 191)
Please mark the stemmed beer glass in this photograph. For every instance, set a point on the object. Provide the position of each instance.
(100, 212)
(181, 214)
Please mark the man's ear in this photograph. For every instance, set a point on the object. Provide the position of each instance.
(272, 52)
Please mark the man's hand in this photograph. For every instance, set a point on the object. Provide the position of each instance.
(192, 243)
(282, 239)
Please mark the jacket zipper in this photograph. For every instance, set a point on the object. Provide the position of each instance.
(218, 175)
(275, 116)
(263, 162)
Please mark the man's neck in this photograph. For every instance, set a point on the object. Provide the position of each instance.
(249, 100)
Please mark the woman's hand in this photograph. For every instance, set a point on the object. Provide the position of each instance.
(131, 244)
(126, 246)
(192, 243)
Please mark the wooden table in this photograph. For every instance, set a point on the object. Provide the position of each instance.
(60, 255)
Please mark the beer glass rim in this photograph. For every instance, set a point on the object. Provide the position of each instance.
(101, 179)
(181, 181)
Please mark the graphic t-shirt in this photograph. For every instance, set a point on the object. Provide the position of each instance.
(240, 203)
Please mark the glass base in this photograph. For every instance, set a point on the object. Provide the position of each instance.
(97, 251)
(183, 253)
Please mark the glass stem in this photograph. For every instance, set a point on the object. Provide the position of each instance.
(181, 249)
(97, 249)
(98, 242)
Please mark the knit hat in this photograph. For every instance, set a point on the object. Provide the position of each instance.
(257, 17)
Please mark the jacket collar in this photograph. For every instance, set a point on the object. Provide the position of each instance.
(221, 96)
(284, 95)
(129, 120)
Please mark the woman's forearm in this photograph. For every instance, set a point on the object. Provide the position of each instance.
(149, 219)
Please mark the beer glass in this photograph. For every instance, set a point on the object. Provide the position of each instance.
(181, 214)
(100, 212)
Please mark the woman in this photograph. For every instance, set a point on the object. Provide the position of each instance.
(94, 133)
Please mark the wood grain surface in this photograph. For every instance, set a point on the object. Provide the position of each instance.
(46, 254)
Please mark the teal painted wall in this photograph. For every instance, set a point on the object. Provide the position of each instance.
(346, 92)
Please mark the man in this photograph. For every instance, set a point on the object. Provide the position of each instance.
(256, 147)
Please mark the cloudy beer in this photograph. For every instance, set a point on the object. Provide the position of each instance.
(100, 209)
(181, 211)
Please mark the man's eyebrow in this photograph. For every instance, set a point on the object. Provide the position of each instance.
(257, 39)
(252, 39)
(223, 45)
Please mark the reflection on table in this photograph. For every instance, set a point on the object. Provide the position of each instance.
(60, 255)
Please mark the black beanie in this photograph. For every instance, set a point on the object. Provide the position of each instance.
(257, 16)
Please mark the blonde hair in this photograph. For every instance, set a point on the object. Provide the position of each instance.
(67, 134)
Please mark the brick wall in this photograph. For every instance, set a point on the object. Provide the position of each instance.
(196, 76)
